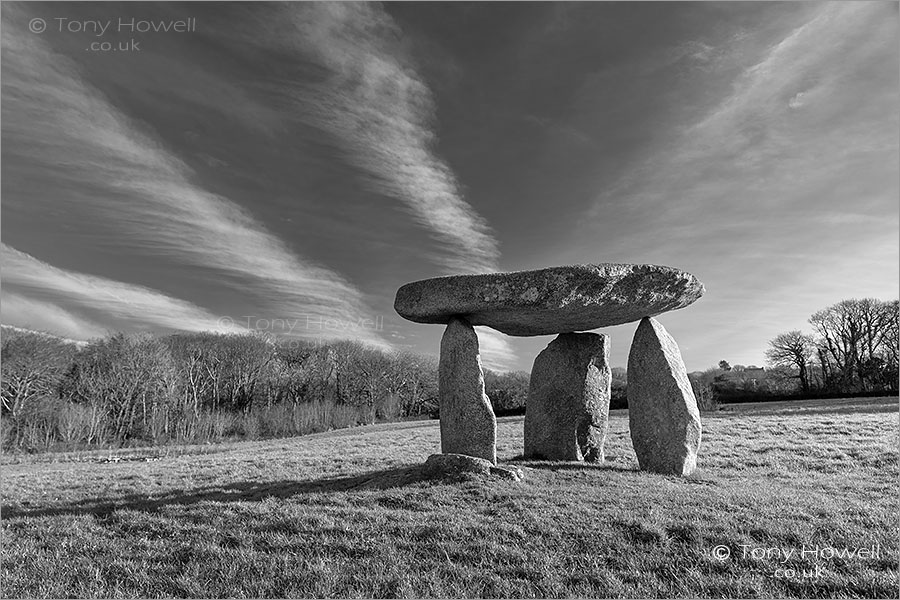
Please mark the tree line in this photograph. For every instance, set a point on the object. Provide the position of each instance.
(854, 347)
(205, 387)
(199, 387)
(852, 350)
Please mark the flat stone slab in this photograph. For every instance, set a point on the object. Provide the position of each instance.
(550, 301)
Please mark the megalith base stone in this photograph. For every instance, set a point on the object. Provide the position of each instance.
(662, 410)
(468, 425)
(455, 466)
(567, 410)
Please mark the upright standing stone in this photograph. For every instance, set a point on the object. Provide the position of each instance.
(468, 425)
(662, 410)
(567, 411)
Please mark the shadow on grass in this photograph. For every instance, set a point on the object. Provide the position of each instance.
(254, 491)
(696, 478)
(553, 465)
(234, 492)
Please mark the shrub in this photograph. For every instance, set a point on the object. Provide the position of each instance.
(507, 391)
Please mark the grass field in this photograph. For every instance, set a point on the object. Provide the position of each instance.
(349, 514)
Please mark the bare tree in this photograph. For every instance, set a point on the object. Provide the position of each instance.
(128, 380)
(703, 391)
(33, 366)
(793, 350)
(855, 348)
(890, 347)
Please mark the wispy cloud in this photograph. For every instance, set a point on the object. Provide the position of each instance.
(758, 157)
(55, 119)
(818, 62)
(798, 159)
(122, 303)
(382, 112)
(35, 315)
(495, 349)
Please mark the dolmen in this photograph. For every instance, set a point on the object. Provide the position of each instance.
(567, 409)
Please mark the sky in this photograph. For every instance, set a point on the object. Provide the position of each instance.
(286, 167)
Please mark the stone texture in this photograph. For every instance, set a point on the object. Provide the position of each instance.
(548, 301)
(461, 465)
(567, 410)
(468, 425)
(511, 473)
(439, 465)
(662, 410)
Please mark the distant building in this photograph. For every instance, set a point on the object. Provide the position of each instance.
(751, 373)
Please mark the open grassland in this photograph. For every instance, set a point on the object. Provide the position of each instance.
(349, 514)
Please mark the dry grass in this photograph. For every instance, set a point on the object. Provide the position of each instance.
(348, 514)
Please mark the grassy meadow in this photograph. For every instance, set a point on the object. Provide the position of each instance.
(348, 513)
